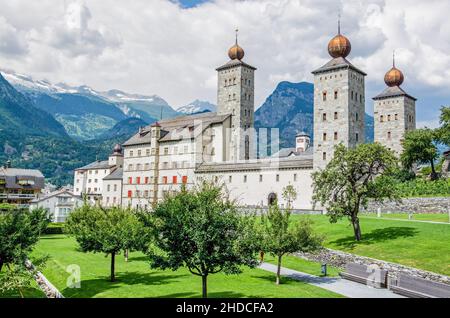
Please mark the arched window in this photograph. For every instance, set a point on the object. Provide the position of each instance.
(271, 199)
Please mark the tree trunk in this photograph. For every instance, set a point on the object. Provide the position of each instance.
(205, 286)
(279, 270)
(126, 255)
(433, 171)
(113, 263)
(356, 228)
(1, 265)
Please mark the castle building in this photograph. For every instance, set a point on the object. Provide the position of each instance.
(220, 147)
(394, 112)
(339, 103)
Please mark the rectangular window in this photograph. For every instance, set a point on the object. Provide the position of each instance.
(185, 179)
(381, 118)
(130, 180)
(245, 179)
(357, 137)
(260, 178)
(324, 156)
(335, 95)
(109, 187)
(389, 117)
(324, 136)
(230, 179)
(396, 116)
(389, 135)
(174, 180)
(335, 115)
(146, 180)
(147, 152)
(324, 96)
(166, 151)
(164, 180)
(335, 136)
(278, 178)
(295, 177)
(324, 116)
(138, 180)
(130, 193)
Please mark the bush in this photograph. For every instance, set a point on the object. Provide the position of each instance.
(421, 187)
(55, 228)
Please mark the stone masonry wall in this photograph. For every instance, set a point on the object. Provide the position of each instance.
(412, 205)
(341, 259)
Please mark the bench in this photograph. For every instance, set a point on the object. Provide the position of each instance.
(369, 275)
(415, 287)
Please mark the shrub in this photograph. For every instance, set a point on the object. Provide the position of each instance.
(55, 228)
(421, 187)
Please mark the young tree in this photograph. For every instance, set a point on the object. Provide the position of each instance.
(106, 231)
(419, 147)
(202, 229)
(281, 237)
(290, 195)
(351, 178)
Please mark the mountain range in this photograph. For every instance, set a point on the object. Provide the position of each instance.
(57, 128)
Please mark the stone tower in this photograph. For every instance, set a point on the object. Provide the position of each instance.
(394, 112)
(235, 96)
(339, 103)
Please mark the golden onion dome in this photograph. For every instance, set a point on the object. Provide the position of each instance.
(236, 52)
(394, 77)
(339, 46)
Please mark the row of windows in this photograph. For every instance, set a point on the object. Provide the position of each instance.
(233, 97)
(150, 180)
(353, 96)
(166, 151)
(109, 188)
(245, 178)
(113, 199)
(389, 118)
(93, 172)
(336, 116)
(230, 82)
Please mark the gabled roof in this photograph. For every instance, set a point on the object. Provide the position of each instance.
(337, 63)
(234, 63)
(115, 175)
(96, 165)
(393, 91)
(57, 193)
(13, 175)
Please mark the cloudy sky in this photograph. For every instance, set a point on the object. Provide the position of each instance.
(171, 48)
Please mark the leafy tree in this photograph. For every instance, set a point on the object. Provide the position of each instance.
(20, 230)
(106, 231)
(419, 147)
(281, 237)
(351, 178)
(443, 131)
(201, 229)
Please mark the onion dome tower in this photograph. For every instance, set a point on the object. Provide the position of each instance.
(394, 77)
(339, 46)
(236, 52)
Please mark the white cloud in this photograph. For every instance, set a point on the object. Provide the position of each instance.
(12, 41)
(157, 47)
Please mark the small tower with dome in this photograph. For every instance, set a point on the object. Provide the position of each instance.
(394, 111)
(116, 158)
(339, 102)
(236, 97)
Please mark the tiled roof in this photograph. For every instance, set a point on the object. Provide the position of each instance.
(297, 162)
(61, 192)
(393, 91)
(96, 165)
(177, 128)
(12, 175)
(233, 63)
(115, 175)
(337, 63)
(286, 152)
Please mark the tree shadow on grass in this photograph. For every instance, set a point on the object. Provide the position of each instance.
(93, 287)
(377, 236)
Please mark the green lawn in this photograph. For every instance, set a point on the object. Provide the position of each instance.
(436, 217)
(421, 245)
(136, 279)
(302, 265)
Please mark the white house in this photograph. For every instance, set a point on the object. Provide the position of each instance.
(58, 204)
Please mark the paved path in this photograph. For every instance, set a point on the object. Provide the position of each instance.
(335, 284)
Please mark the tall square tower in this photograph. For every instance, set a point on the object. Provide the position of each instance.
(235, 96)
(394, 112)
(339, 103)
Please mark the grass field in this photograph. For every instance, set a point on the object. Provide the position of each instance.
(136, 279)
(301, 265)
(421, 245)
(32, 292)
(435, 217)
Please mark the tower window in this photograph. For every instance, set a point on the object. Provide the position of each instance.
(278, 177)
(389, 118)
(360, 98)
(226, 83)
(381, 118)
(335, 115)
(389, 135)
(229, 97)
(335, 95)
(324, 136)
(324, 96)
(324, 116)
(335, 135)
(260, 178)
(352, 95)
(230, 179)
(357, 137)
(245, 179)
(356, 96)
(356, 116)
(396, 116)
(324, 156)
